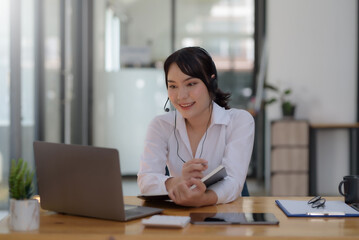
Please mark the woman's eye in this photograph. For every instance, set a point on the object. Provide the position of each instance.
(192, 84)
(172, 86)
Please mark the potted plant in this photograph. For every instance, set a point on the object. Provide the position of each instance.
(288, 108)
(24, 211)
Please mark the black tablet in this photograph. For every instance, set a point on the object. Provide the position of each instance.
(154, 197)
(234, 218)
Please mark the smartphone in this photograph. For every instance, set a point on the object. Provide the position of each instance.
(234, 218)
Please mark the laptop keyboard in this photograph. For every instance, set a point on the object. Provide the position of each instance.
(130, 207)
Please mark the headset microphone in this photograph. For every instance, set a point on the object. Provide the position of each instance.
(164, 107)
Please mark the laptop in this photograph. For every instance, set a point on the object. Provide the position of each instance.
(84, 181)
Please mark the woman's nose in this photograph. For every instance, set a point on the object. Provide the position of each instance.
(182, 93)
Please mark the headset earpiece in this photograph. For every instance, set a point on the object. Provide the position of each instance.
(214, 82)
(166, 108)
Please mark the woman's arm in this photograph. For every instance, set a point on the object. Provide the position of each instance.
(151, 176)
(181, 190)
(191, 169)
(184, 194)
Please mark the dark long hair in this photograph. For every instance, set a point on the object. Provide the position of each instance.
(197, 63)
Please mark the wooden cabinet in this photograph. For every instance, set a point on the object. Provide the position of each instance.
(289, 158)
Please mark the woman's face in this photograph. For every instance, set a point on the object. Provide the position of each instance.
(188, 95)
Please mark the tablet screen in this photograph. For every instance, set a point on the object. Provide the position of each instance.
(233, 218)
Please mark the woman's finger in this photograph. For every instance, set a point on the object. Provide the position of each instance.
(200, 186)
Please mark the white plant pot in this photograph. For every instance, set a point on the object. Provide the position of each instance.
(24, 215)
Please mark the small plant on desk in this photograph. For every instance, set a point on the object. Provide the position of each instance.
(20, 180)
(24, 211)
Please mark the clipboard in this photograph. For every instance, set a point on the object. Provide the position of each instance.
(294, 208)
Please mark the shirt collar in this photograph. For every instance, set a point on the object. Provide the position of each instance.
(220, 115)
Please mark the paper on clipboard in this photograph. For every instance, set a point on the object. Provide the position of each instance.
(294, 208)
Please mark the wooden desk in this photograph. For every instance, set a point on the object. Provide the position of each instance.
(57, 226)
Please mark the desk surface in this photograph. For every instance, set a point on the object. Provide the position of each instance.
(57, 226)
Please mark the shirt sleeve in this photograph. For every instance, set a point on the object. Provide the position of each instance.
(151, 176)
(237, 155)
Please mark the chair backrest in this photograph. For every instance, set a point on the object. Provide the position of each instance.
(245, 192)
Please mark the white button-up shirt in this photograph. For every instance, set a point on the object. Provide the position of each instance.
(229, 142)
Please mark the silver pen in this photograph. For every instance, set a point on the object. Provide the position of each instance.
(326, 213)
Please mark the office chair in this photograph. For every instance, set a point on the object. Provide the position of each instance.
(245, 192)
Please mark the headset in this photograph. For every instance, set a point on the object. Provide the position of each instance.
(166, 108)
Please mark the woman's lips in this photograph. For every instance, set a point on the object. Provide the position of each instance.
(186, 106)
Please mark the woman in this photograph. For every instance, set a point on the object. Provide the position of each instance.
(201, 134)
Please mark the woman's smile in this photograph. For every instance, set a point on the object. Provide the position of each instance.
(186, 106)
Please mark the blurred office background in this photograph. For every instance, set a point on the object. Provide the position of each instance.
(90, 72)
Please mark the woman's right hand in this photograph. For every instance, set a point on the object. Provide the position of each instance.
(184, 194)
(190, 169)
(194, 169)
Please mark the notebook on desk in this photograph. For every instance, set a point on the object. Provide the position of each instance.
(84, 181)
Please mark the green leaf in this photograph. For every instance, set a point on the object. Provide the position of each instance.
(270, 101)
(20, 180)
(271, 87)
(288, 91)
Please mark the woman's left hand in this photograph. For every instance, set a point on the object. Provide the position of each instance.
(184, 194)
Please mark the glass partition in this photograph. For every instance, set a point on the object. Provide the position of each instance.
(125, 103)
(4, 100)
(132, 39)
(27, 81)
(52, 71)
(225, 28)
(27, 91)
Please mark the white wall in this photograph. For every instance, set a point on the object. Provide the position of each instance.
(312, 47)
